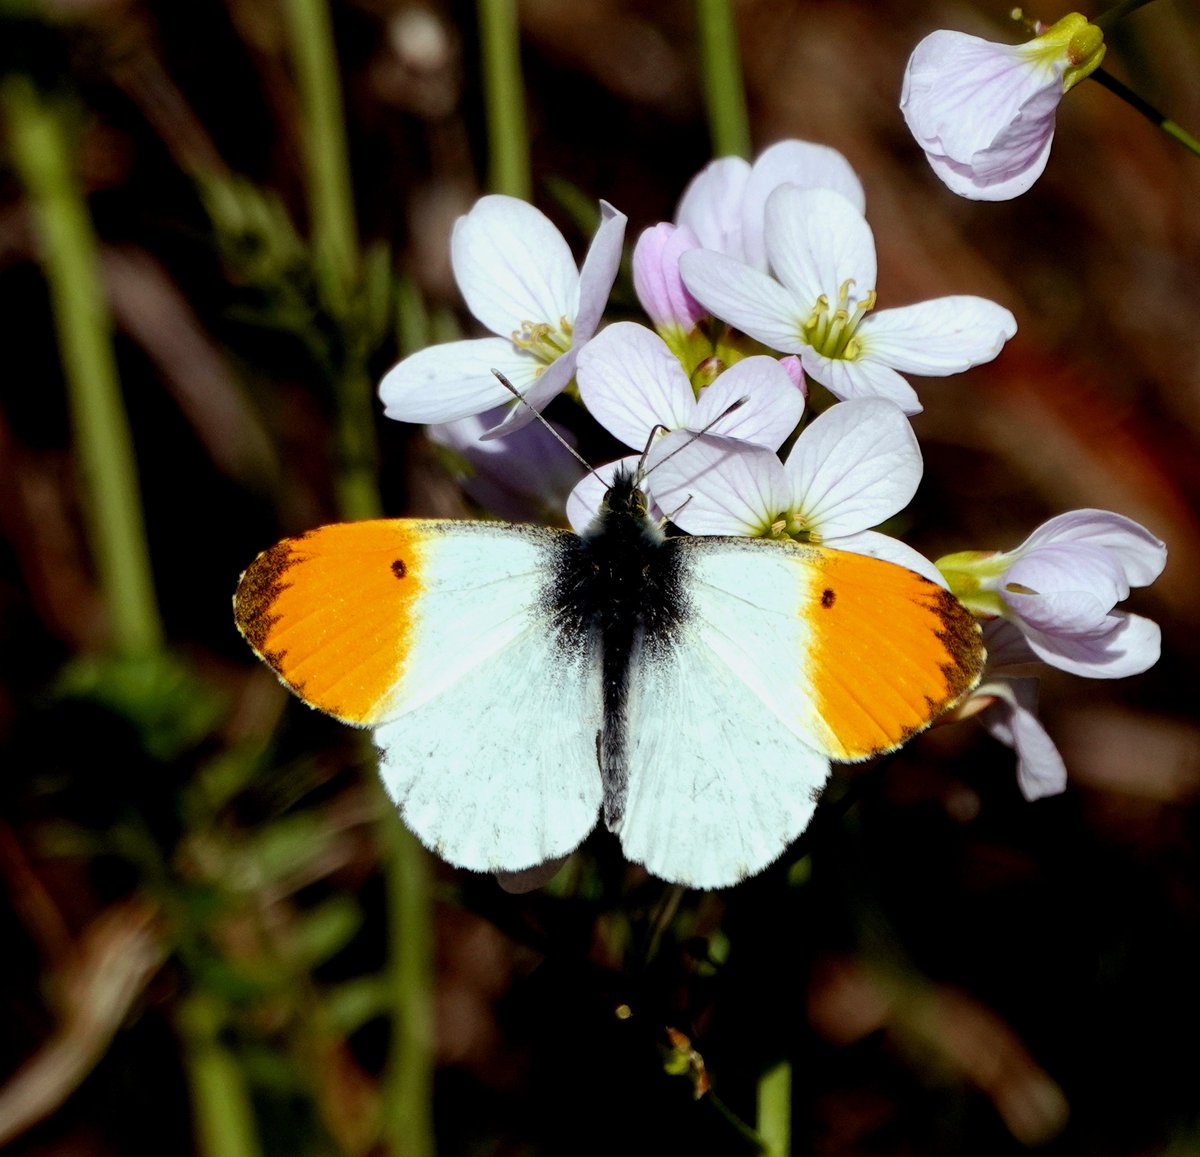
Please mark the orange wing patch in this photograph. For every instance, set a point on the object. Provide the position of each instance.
(333, 612)
(891, 652)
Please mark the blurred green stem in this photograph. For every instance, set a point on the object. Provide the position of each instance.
(44, 147)
(775, 1110)
(721, 70)
(1168, 126)
(504, 98)
(224, 1115)
(406, 1096)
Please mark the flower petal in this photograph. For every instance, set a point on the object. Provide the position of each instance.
(772, 410)
(630, 382)
(546, 386)
(656, 279)
(800, 163)
(944, 336)
(1013, 720)
(711, 205)
(860, 379)
(454, 380)
(1128, 645)
(598, 274)
(856, 465)
(1066, 569)
(513, 266)
(1139, 553)
(743, 297)
(708, 484)
(816, 242)
(876, 545)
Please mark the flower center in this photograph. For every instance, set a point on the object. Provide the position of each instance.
(542, 340)
(789, 524)
(831, 331)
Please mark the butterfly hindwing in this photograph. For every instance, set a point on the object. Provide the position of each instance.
(442, 637)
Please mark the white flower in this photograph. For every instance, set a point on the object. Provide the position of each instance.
(851, 468)
(984, 113)
(519, 279)
(822, 253)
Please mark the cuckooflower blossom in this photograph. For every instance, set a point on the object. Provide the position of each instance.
(851, 468)
(1011, 717)
(633, 385)
(1059, 588)
(984, 113)
(819, 304)
(519, 279)
(725, 203)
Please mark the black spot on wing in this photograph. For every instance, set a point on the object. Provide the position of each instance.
(827, 598)
(399, 569)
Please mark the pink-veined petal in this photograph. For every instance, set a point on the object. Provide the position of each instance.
(1139, 553)
(772, 410)
(711, 205)
(855, 465)
(551, 382)
(883, 546)
(712, 485)
(1129, 645)
(513, 266)
(656, 279)
(1066, 567)
(944, 336)
(630, 382)
(598, 273)
(454, 380)
(1012, 719)
(801, 163)
(743, 297)
(817, 241)
(964, 180)
(859, 379)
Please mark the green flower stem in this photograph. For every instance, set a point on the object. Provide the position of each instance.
(775, 1110)
(1117, 12)
(225, 1125)
(406, 1096)
(504, 98)
(721, 70)
(1147, 110)
(43, 149)
(330, 200)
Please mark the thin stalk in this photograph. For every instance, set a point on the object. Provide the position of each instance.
(775, 1110)
(504, 98)
(225, 1125)
(44, 149)
(406, 1095)
(721, 73)
(1110, 16)
(1147, 110)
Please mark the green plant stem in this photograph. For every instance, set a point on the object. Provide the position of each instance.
(1117, 12)
(330, 200)
(504, 98)
(406, 1095)
(43, 148)
(225, 1124)
(775, 1109)
(1168, 126)
(721, 72)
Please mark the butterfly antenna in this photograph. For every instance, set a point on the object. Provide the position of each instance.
(557, 436)
(642, 471)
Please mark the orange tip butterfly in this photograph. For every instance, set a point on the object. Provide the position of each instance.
(522, 680)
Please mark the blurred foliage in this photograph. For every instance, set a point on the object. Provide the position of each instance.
(197, 917)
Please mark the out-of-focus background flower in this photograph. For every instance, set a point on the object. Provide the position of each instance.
(206, 945)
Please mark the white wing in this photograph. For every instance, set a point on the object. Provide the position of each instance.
(489, 749)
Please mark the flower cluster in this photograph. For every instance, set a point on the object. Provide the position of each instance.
(762, 288)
